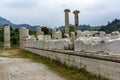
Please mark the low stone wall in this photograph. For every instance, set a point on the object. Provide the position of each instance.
(81, 46)
(103, 65)
(110, 47)
(48, 44)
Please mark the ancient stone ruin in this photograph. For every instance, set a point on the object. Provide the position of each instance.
(88, 41)
(94, 51)
(24, 33)
(7, 37)
(76, 20)
(67, 27)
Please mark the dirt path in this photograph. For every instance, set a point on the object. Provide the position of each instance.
(23, 69)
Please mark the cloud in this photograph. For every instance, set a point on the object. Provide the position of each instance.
(19, 3)
(50, 12)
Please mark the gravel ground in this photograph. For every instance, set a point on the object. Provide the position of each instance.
(25, 69)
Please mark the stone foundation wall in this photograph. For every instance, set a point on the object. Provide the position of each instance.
(109, 47)
(104, 66)
(48, 44)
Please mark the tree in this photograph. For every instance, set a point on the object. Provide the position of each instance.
(72, 28)
(45, 29)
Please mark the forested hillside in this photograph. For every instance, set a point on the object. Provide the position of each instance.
(111, 26)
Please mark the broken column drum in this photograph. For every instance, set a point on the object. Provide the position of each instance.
(23, 33)
(53, 33)
(38, 31)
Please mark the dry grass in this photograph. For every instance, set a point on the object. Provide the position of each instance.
(10, 52)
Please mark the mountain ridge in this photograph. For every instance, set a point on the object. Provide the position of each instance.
(108, 28)
(4, 22)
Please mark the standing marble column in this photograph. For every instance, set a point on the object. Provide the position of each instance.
(76, 12)
(7, 37)
(67, 28)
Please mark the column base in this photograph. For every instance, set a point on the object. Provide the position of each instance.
(7, 47)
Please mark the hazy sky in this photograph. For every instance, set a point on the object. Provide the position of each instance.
(51, 12)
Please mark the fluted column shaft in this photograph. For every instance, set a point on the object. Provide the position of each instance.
(67, 28)
(76, 12)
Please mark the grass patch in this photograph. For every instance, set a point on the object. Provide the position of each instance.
(70, 73)
(25, 55)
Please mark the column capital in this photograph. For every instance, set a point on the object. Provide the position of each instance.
(76, 11)
(67, 10)
(39, 27)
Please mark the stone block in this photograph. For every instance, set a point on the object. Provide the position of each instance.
(73, 37)
(86, 33)
(101, 34)
(79, 34)
(47, 37)
(58, 35)
(40, 37)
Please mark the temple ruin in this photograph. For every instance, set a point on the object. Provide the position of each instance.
(88, 41)
(95, 51)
